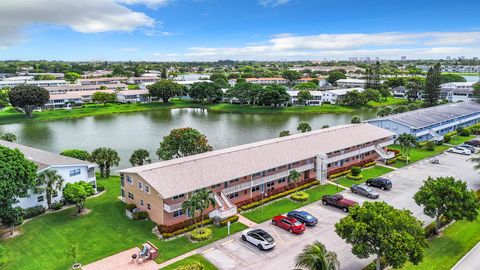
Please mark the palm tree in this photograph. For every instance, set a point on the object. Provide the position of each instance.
(384, 112)
(284, 133)
(304, 127)
(406, 142)
(9, 137)
(105, 158)
(49, 181)
(294, 176)
(206, 198)
(316, 257)
(356, 120)
(191, 206)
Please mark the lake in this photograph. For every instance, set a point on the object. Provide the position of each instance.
(129, 131)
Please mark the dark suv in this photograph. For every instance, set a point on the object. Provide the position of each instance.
(380, 182)
(475, 143)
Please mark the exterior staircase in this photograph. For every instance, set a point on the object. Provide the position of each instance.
(382, 153)
(225, 208)
(435, 135)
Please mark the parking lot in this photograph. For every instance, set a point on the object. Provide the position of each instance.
(233, 253)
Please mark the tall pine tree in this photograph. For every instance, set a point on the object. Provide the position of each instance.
(432, 85)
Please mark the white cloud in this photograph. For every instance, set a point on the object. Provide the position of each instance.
(272, 3)
(86, 16)
(128, 49)
(388, 45)
(153, 4)
(157, 32)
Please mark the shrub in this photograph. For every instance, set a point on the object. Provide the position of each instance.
(397, 152)
(403, 158)
(232, 219)
(430, 146)
(57, 205)
(100, 188)
(336, 175)
(300, 196)
(373, 265)
(257, 201)
(354, 177)
(192, 266)
(201, 234)
(182, 227)
(355, 171)
(130, 207)
(140, 215)
(34, 211)
(369, 164)
(462, 131)
(391, 161)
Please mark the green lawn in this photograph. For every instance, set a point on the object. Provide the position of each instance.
(197, 258)
(391, 101)
(372, 172)
(103, 232)
(284, 205)
(456, 140)
(417, 154)
(445, 251)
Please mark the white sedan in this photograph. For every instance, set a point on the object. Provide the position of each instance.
(460, 150)
(259, 238)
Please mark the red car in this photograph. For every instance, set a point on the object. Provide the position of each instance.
(288, 223)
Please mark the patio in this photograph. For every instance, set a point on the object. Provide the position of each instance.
(122, 261)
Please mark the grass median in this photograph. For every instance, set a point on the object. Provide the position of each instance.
(417, 154)
(367, 173)
(102, 232)
(445, 251)
(197, 258)
(284, 205)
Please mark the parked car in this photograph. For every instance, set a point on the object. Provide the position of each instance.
(338, 201)
(469, 147)
(364, 190)
(475, 143)
(259, 238)
(459, 150)
(304, 217)
(380, 182)
(289, 223)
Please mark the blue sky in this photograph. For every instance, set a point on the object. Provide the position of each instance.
(176, 30)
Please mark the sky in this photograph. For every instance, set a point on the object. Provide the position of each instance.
(209, 30)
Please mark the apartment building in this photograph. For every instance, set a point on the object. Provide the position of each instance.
(331, 96)
(242, 172)
(102, 80)
(349, 83)
(9, 82)
(133, 96)
(78, 88)
(78, 98)
(72, 170)
(457, 91)
(433, 122)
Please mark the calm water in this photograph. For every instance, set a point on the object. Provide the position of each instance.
(129, 131)
(471, 78)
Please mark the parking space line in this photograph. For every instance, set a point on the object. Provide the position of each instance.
(208, 250)
(250, 247)
(227, 242)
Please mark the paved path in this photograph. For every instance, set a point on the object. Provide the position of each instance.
(246, 221)
(122, 261)
(471, 261)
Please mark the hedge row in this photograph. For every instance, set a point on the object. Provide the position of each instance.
(192, 266)
(232, 219)
(184, 229)
(391, 161)
(278, 195)
(370, 164)
(300, 196)
(274, 192)
(184, 224)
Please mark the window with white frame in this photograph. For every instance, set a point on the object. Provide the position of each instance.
(129, 180)
(141, 202)
(40, 199)
(148, 206)
(140, 185)
(146, 188)
(75, 172)
(178, 213)
(176, 197)
(130, 195)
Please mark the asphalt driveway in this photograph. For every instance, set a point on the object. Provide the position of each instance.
(233, 253)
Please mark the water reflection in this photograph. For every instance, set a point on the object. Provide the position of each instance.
(129, 131)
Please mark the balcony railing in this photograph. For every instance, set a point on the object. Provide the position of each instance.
(359, 151)
(172, 208)
(266, 179)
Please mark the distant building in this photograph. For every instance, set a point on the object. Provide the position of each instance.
(403, 58)
(133, 96)
(72, 170)
(102, 80)
(457, 91)
(75, 88)
(318, 97)
(349, 83)
(9, 82)
(433, 122)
